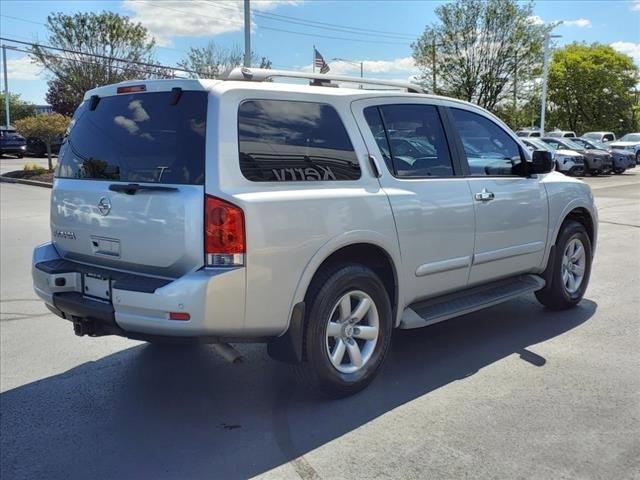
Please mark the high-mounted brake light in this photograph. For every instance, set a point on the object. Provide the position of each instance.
(132, 89)
(224, 234)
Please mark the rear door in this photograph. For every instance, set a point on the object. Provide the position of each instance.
(129, 188)
(510, 207)
(431, 203)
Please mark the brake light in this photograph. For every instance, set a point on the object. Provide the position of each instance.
(224, 239)
(131, 89)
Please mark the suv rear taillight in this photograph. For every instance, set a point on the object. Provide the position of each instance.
(224, 240)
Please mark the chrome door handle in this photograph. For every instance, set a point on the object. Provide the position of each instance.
(484, 196)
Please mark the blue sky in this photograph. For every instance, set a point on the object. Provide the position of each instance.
(178, 25)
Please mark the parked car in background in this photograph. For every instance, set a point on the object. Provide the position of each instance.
(567, 161)
(631, 142)
(37, 147)
(283, 213)
(622, 159)
(596, 161)
(600, 136)
(561, 134)
(12, 142)
(525, 132)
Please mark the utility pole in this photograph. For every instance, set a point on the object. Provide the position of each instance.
(247, 34)
(545, 74)
(7, 113)
(433, 65)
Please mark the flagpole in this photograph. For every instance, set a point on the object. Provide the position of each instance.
(313, 61)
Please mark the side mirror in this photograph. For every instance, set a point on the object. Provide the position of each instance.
(542, 162)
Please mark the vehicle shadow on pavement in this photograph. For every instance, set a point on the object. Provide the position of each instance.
(183, 412)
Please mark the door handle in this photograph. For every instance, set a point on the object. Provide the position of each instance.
(484, 196)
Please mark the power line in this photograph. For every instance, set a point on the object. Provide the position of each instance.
(51, 55)
(326, 25)
(368, 40)
(95, 55)
(332, 37)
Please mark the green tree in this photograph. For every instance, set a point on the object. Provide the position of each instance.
(106, 34)
(62, 97)
(592, 87)
(17, 108)
(46, 127)
(212, 60)
(479, 49)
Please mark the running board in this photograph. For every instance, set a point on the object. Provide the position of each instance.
(452, 305)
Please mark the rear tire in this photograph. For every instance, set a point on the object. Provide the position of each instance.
(347, 331)
(618, 171)
(570, 270)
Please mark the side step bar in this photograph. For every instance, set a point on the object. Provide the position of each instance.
(452, 305)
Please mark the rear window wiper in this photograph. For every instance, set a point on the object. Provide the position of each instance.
(132, 188)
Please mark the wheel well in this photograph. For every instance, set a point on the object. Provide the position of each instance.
(373, 257)
(583, 217)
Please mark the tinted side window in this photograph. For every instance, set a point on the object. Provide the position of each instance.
(285, 141)
(416, 141)
(607, 138)
(489, 149)
(374, 119)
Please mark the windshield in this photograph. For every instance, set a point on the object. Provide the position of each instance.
(138, 138)
(631, 137)
(600, 145)
(571, 144)
(538, 144)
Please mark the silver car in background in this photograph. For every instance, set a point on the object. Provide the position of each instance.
(567, 161)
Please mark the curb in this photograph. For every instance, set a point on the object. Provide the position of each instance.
(23, 181)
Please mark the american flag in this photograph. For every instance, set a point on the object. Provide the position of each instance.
(319, 62)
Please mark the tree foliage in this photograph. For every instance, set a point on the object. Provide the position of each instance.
(591, 88)
(480, 46)
(48, 128)
(17, 108)
(106, 34)
(212, 60)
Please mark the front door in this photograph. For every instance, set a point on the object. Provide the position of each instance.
(511, 208)
(430, 200)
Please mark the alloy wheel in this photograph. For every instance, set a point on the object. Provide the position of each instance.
(352, 331)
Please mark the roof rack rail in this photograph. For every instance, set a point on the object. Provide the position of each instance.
(264, 74)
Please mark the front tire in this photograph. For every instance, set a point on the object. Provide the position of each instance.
(347, 331)
(570, 270)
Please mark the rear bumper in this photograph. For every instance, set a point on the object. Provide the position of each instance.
(140, 305)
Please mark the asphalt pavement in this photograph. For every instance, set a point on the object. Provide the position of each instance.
(514, 391)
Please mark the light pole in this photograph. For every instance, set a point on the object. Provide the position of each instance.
(7, 113)
(545, 73)
(247, 34)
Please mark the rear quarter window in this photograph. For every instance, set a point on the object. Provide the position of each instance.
(288, 141)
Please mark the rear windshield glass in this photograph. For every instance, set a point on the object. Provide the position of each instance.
(285, 141)
(138, 138)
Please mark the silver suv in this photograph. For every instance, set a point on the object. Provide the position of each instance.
(314, 219)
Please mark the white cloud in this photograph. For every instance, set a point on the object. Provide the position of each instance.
(629, 48)
(22, 69)
(635, 5)
(536, 20)
(195, 18)
(370, 67)
(579, 22)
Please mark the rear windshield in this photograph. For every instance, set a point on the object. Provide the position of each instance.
(138, 138)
